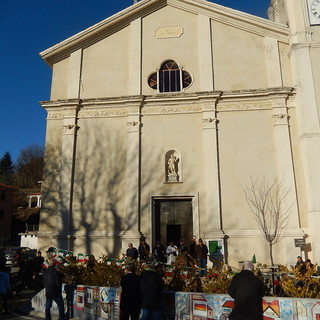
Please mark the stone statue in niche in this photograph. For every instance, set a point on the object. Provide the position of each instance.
(173, 168)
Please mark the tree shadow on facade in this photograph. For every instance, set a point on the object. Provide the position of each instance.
(96, 216)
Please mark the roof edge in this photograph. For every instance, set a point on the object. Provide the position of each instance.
(124, 17)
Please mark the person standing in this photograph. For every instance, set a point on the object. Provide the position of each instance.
(192, 247)
(182, 246)
(144, 249)
(159, 252)
(201, 252)
(52, 281)
(132, 252)
(151, 285)
(246, 290)
(300, 265)
(172, 252)
(130, 302)
(37, 267)
(38, 263)
(5, 289)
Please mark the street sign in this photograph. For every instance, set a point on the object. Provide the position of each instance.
(300, 243)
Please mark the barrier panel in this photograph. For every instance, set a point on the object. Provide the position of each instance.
(103, 303)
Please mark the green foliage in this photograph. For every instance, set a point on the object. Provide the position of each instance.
(218, 280)
(266, 283)
(183, 275)
(101, 273)
(298, 284)
(6, 169)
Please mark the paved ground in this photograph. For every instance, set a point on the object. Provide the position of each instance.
(20, 307)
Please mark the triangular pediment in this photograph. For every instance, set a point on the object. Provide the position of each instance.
(116, 22)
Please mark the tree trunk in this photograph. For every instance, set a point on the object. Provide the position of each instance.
(271, 254)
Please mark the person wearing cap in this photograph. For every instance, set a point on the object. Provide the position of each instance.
(151, 285)
(246, 290)
(201, 252)
(130, 302)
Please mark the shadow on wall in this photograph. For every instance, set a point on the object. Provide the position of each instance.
(99, 189)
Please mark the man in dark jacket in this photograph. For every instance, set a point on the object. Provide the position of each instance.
(144, 249)
(246, 290)
(159, 252)
(132, 252)
(151, 285)
(52, 281)
(130, 302)
(201, 252)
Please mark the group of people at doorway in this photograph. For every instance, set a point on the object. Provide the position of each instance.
(197, 250)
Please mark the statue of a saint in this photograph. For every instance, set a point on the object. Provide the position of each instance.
(172, 164)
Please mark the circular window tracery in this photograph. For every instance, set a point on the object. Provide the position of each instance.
(169, 78)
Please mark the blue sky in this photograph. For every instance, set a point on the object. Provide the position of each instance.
(28, 27)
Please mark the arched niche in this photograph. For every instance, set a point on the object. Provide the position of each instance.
(172, 166)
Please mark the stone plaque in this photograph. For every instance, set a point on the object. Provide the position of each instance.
(169, 32)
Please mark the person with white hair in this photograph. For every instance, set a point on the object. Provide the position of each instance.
(247, 291)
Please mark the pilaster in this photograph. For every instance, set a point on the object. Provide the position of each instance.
(74, 74)
(135, 57)
(284, 158)
(205, 53)
(273, 62)
(69, 136)
(133, 167)
(211, 169)
(304, 67)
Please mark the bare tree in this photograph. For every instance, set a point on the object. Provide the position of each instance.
(29, 167)
(269, 204)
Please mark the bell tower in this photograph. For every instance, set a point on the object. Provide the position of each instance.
(303, 20)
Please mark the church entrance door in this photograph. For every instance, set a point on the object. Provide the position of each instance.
(173, 220)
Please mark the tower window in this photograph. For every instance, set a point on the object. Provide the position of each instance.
(169, 78)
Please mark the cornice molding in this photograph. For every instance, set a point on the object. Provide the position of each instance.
(176, 103)
(297, 46)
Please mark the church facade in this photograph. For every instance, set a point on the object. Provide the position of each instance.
(163, 115)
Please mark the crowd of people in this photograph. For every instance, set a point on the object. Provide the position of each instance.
(304, 266)
(27, 277)
(141, 293)
(197, 250)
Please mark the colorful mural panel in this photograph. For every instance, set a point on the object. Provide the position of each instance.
(195, 306)
(103, 304)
